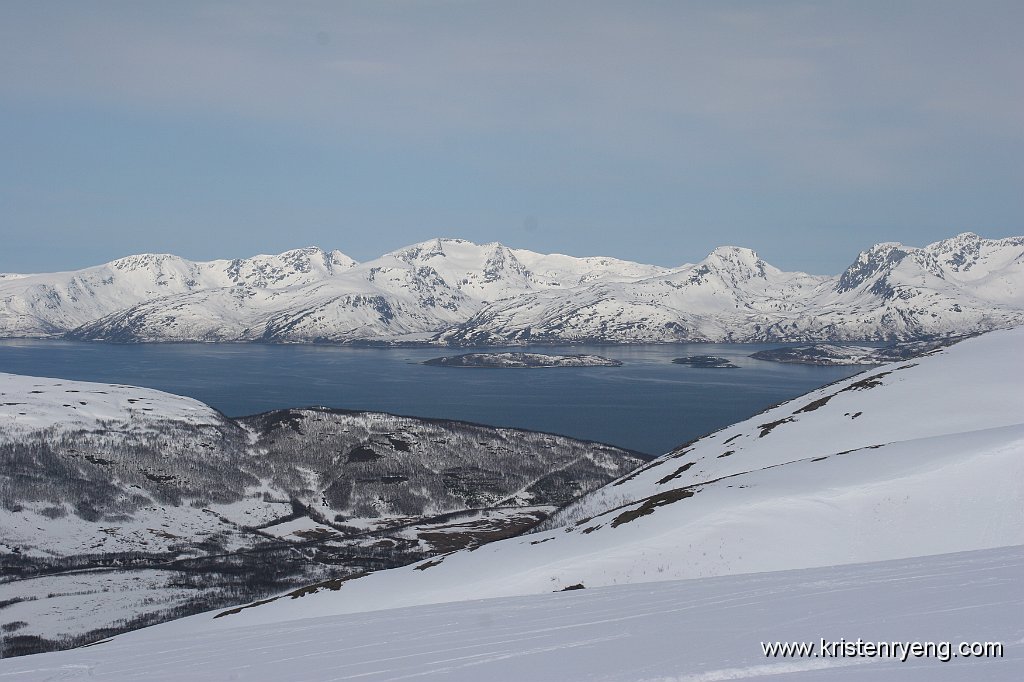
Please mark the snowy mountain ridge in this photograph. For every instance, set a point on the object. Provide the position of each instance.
(452, 291)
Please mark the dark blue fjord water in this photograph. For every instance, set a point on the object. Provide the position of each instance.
(648, 404)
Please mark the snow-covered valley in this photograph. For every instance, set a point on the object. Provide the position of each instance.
(451, 291)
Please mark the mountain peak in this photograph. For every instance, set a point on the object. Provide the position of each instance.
(439, 247)
(141, 261)
(879, 258)
(310, 253)
(734, 254)
(968, 239)
(737, 261)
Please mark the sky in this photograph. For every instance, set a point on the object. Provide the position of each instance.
(646, 130)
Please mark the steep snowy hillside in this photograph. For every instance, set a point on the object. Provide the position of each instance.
(688, 630)
(457, 292)
(174, 508)
(906, 460)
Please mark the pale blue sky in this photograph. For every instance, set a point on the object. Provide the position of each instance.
(652, 131)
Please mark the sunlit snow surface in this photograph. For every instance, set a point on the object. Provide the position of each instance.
(708, 629)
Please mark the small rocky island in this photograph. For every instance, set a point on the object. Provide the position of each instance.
(832, 354)
(705, 362)
(521, 360)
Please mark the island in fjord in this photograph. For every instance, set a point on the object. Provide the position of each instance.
(515, 360)
(705, 362)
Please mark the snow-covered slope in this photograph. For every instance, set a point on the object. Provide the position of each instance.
(38, 404)
(679, 631)
(909, 459)
(454, 291)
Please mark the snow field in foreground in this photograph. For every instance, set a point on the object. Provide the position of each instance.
(707, 629)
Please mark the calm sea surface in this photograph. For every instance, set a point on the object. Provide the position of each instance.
(648, 404)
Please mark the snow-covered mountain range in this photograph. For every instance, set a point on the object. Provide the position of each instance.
(456, 292)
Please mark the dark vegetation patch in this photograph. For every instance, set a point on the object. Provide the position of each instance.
(98, 642)
(13, 626)
(770, 426)
(399, 444)
(316, 534)
(428, 564)
(867, 382)
(866, 447)
(478, 533)
(678, 452)
(815, 404)
(239, 609)
(651, 503)
(363, 453)
(282, 419)
(676, 474)
(334, 584)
